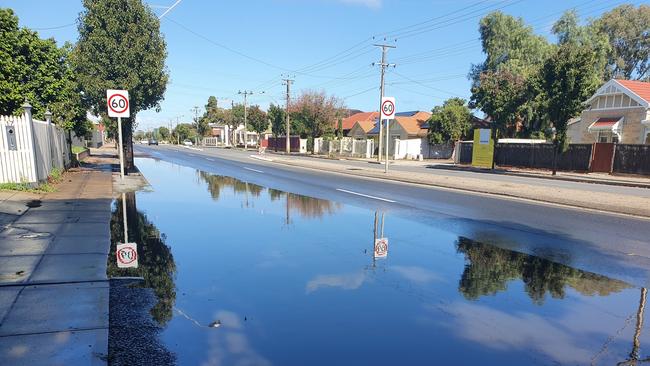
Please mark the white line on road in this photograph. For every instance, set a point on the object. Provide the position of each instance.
(253, 170)
(260, 158)
(365, 195)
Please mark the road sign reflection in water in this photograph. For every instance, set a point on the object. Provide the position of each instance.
(127, 255)
(381, 248)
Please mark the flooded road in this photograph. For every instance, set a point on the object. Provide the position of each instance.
(251, 275)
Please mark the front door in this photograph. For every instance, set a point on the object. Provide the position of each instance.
(601, 158)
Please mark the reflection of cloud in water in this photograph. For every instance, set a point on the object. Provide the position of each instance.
(416, 274)
(350, 281)
(228, 344)
(499, 330)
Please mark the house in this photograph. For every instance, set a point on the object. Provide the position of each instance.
(360, 129)
(407, 125)
(364, 117)
(619, 111)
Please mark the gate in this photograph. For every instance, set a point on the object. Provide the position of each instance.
(601, 158)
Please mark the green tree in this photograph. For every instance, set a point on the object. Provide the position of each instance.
(278, 118)
(501, 95)
(449, 122)
(317, 113)
(185, 131)
(628, 29)
(120, 47)
(164, 133)
(565, 81)
(257, 120)
(37, 70)
(500, 84)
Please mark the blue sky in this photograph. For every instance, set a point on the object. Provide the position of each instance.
(220, 47)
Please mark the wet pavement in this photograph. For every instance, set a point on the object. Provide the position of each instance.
(246, 274)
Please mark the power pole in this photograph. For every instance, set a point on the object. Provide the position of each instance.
(383, 65)
(288, 141)
(196, 120)
(245, 94)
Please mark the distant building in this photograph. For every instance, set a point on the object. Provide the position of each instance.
(619, 111)
(364, 117)
(407, 125)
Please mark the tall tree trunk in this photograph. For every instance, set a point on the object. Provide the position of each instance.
(127, 140)
(555, 151)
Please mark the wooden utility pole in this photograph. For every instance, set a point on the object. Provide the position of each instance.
(245, 94)
(195, 109)
(288, 82)
(383, 65)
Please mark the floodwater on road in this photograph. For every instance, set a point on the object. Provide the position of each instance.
(249, 275)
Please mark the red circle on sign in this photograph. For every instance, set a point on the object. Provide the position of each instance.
(126, 103)
(392, 108)
(121, 258)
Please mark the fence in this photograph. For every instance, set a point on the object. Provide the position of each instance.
(296, 144)
(30, 149)
(632, 159)
(346, 146)
(627, 158)
(540, 156)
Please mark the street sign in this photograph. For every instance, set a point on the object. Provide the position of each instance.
(127, 255)
(118, 103)
(381, 248)
(387, 108)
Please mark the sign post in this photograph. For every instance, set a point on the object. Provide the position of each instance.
(118, 106)
(387, 113)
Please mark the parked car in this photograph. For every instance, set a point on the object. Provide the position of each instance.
(187, 143)
(144, 142)
(153, 142)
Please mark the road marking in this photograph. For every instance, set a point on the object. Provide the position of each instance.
(260, 158)
(253, 170)
(210, 159)
(365, 195)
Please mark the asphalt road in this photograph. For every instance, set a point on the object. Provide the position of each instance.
(613, 245)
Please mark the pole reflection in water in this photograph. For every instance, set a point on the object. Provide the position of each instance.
(636, 343)
(156, 263)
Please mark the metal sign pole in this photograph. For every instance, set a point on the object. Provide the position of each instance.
(121, 152)
(126, 228)
(386, 147)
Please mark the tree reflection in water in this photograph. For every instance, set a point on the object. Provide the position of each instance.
(488, 270)
(305, 206)
(155, 261)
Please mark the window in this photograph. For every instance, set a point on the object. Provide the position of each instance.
(603, 137)
(615, 139)
(647, 138)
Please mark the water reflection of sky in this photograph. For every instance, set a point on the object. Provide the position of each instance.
(292, 281)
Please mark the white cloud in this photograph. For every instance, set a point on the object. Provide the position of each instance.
(351, 281)
(416, 274)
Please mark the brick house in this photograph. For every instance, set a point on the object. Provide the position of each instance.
(619, 111)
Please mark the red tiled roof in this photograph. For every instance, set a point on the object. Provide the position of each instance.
(640, 88)
(349, 122)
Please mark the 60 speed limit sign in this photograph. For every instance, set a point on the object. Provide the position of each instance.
(118, 103)
(387, 108)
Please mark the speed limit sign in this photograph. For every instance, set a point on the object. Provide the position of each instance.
(117, 103)
(387, 108)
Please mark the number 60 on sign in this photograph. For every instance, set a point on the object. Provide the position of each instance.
(117, 103)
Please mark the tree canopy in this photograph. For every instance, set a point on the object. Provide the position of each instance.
(315, 113)
(628, 31)
(120, 47)
(256, 119)
(449, 122)
(38, 70)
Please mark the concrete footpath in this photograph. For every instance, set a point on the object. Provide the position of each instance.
(54, 294)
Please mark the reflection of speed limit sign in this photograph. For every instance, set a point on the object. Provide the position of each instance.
(117, 103)
(127, 255)
(387, 108)
(381, 247)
